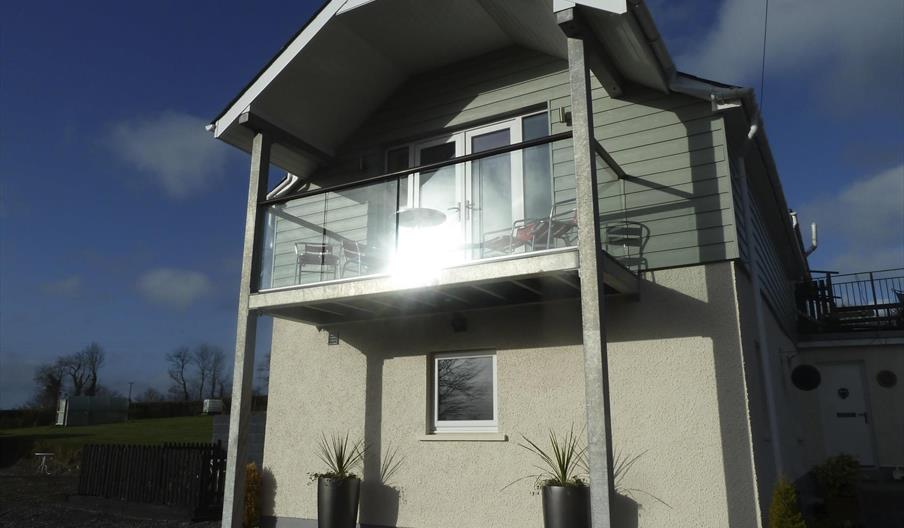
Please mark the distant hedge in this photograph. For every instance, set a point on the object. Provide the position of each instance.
(174, 409)
(14, 418)
(164, 409)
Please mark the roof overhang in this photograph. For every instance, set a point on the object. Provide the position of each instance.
(353, 54)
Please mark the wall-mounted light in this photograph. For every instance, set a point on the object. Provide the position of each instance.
(332, 338)
(459, 323)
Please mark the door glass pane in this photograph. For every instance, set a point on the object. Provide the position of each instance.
(397, 159)
(537, 168)
(464, 388)
(491, 188)
(437, 187)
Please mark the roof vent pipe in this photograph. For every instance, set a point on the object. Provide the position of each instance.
(813, 241)
(753, 128)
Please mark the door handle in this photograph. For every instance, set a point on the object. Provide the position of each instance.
(457, 209)
(468, 208)
(853, 415)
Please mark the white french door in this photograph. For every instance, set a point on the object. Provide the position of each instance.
(441, 190)
(480, 199)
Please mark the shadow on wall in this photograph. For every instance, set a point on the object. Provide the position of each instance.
(520, 327)
(268, 492)
(625, 512)
(679, 201)
(379, 501)
(677, 315)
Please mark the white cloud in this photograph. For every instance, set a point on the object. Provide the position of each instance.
(851, 50)
(173, 149)
(863, 222)
(65, 287)
(173, 287)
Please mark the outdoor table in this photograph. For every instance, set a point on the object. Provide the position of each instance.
(418, 217)
(42, 467)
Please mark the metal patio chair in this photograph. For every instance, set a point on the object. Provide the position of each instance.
(315, 254)
(563, 224)
(362, 258)
(524, 233)
(631, 239)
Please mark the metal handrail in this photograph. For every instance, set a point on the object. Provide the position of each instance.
(429, 166)
(837, 275)
(861, 300)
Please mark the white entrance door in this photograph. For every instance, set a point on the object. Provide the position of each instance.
(846, 416)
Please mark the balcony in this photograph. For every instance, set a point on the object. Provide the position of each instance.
(456, 232)
(854, 302)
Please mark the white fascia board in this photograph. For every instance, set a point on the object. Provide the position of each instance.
(611, 6)
(352, 4)
(244, 101)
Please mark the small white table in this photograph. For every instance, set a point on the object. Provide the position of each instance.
(417, 217)
(42, 467)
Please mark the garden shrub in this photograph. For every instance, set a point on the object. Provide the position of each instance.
(838, 476)
(784, 511)
(252, 516)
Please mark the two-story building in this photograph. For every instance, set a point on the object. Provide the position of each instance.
(505, 217)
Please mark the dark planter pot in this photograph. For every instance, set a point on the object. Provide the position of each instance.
(566, 507)
(337, 502)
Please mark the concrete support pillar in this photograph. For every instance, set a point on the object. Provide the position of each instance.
(593, 303)
(246, 330)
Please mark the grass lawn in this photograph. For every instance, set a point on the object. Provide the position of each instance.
(151, 431)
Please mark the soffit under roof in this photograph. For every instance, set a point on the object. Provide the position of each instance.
(343, 65)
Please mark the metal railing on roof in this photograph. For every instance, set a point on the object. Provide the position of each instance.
(869, 300)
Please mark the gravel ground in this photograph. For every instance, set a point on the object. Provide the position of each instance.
(40, 501)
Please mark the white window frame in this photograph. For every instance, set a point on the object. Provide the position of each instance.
(463, 426)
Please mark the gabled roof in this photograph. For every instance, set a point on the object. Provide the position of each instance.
(354, 53)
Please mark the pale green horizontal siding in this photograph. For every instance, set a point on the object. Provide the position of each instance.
(777, 288)
(672, 146)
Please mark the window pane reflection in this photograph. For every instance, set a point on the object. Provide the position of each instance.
(464, 388)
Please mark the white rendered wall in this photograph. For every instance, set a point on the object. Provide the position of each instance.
(678, 400)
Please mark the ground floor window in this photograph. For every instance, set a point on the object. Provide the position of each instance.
(464, 392)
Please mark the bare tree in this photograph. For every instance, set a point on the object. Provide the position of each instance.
(202, 357)
(102, 390)
(74, 367)
(217, 366)
(263, 371)
(151, 395)
(92, 359)
(458, 389)
(49, 379)
(179, 361)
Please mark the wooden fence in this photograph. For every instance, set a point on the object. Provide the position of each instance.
(188, 477)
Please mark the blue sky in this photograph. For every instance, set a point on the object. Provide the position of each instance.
(121, 219)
